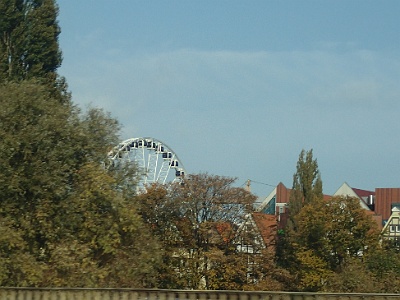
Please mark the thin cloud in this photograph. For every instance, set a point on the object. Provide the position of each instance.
(249, 114)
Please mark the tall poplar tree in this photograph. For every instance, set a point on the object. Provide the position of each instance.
(307, 189)
(29, 40)
(307, 184)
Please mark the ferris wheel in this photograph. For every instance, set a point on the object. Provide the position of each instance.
(157, 162)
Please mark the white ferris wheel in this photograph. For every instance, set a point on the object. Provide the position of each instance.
(157, 162)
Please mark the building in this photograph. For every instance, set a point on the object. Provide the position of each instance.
(258, 232)
(277, 203)
(391, 230)
(385, 200)
(378, 203)
(366, 199)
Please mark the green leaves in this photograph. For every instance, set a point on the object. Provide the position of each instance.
(69, 215)
(307, 185)
(29, 45)
(331, 234)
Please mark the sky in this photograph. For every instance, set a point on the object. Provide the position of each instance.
(239, 88)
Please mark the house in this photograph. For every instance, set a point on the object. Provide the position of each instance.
(378, 203)
(382, 204)
(385, 200)
(391, 230)
(277, 203)
(366, 199)
(258, 231)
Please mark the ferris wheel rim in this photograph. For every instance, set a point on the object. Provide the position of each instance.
(161, 147)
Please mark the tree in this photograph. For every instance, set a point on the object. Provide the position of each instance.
(384, 266)
(38, 157)
(12, 12)
(29, 44)
(17, 266)
(307, 183)
(353, 277)
(106, 236)
(307, 190)
(196, 221)
(350, 231)
(332, 235)
(75, 221)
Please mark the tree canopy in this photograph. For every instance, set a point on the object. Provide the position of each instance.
(66, 220)
(29, 40)
(307, 183)
(196, 221)
(57, 199)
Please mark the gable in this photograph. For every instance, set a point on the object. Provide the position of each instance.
(346, 190)
(391, 229)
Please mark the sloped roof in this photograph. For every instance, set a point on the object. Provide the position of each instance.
(363, 193)
(267, 226)
(346, 189)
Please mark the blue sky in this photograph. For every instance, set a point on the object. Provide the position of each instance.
(239, 88)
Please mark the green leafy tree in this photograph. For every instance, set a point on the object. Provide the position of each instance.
(113, 246)
(353, 277)
(29, 45)
(17, 266)
(384, 265)
(75, 220)
(227, 271)
(307, 190)
(332, 235)
(307, 184)
(12, 14)
(349, 230)
(38, 158)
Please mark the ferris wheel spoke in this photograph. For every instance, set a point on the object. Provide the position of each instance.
(155, 160)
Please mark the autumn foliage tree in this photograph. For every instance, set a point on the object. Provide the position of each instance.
(196, 221)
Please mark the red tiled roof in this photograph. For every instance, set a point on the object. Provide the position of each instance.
(363, 193)
(267, 225)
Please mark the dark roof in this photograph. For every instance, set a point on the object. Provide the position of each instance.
(363, 193)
